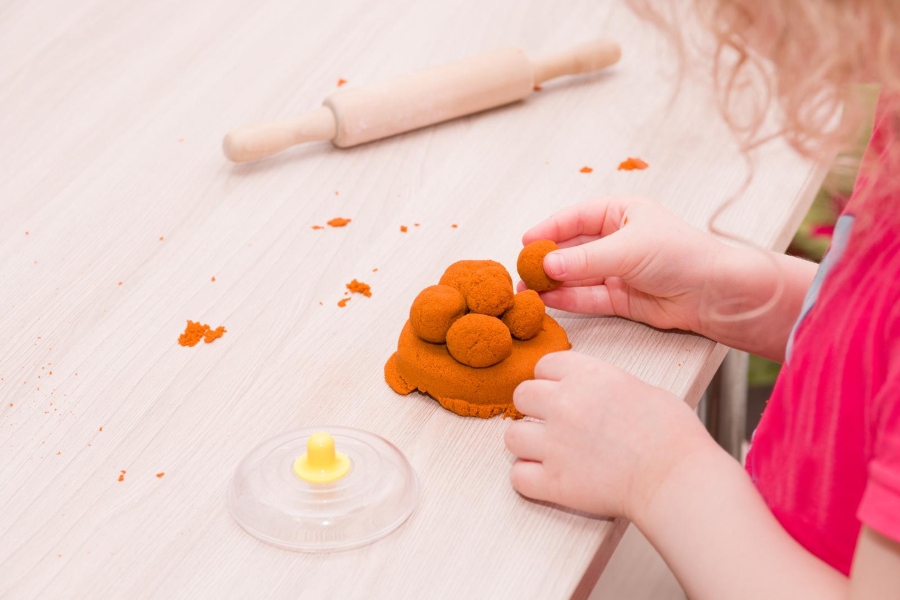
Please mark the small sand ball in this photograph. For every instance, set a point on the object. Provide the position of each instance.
(526, 316)
(531, 266)
(460, 273)
(479, 340)
(434, 310)
(490, 291)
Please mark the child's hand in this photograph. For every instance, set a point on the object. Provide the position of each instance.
(607, 439)
(628, 257)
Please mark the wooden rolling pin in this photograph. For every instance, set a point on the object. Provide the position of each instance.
(354, 116)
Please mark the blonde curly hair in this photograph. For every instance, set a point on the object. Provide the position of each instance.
(805, 57)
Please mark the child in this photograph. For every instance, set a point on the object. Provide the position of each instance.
(819, 514)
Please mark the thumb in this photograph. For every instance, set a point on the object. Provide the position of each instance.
(601, 258)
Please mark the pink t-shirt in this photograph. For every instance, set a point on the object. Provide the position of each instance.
(826, 455)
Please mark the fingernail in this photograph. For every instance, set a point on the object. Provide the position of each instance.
(554, 264)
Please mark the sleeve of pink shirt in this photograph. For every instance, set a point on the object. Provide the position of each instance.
(880, 505)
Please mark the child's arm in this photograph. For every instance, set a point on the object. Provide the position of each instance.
(719, 538)
(744, 280)
(631, 258)
(607, 443)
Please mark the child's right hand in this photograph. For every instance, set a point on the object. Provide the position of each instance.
(628, 257)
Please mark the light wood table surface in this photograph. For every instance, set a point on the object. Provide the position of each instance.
(117, 209)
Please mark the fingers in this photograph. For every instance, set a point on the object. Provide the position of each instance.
(558, 365)
(528, 479)
(552, 366)
(521, 287)
(531, 397)
(585, 282)
(604, 257)
(594, 217)
(578, 240)
(592, 300)
(526, 439)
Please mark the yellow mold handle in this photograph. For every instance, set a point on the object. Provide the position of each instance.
(321, 463)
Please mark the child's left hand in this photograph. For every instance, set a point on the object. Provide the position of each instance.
(607, 440)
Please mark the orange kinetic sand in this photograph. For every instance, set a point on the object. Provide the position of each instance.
(434, 310)
(196, 331)
(487, 353)
(632, 164)
(486, 285)
(358, 287)
(526, 316)
(531, 266)
(479, 340)
(338, 222)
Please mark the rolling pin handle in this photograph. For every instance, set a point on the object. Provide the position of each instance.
(584, 58)
(255, 142)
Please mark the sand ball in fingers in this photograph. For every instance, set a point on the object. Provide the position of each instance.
(531, 266)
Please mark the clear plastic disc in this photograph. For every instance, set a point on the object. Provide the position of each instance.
(276, 506)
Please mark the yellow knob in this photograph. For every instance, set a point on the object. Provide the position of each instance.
(321, 463)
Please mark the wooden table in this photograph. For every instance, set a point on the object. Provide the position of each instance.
(117, 210)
